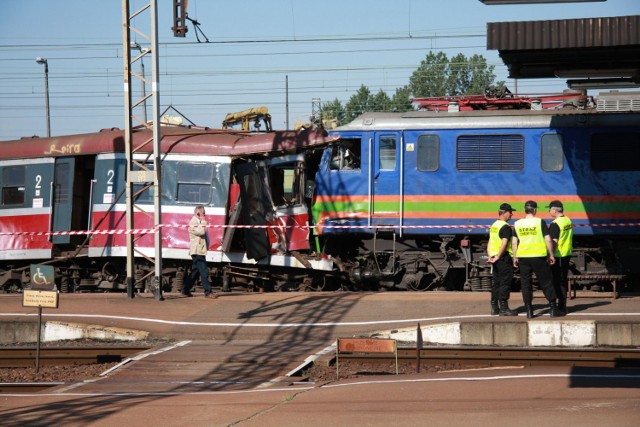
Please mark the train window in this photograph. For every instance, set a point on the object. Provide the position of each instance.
(143, 193)
(62, 191)
(551, 154)
(194, 182)
(345, 155)
(617, 151)
(285, 185)
(13, 185)
(490, 153)
(387, 152)
(428, 153)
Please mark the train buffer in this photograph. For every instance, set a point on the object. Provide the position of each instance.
(365, 346)
(613, 278)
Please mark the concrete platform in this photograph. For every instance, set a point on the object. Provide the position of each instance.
(228, 357)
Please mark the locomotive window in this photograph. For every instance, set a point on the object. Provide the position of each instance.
(615, 151)
(551, 154)
(490, 153)
(428, 153)
(13, 185)
(194, 183)
(345, 155)
(387, 152)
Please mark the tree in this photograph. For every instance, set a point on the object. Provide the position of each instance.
(429, 79)
(439, 76)
(380, 102)
(401, 100)
(481, 75)
(358, 103)
(333, 110)
(436, 76)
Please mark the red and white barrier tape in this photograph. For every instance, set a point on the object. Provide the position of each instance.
(340, 227)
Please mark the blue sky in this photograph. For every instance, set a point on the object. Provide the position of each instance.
(327, 49)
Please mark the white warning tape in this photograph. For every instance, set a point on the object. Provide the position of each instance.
(305, 227)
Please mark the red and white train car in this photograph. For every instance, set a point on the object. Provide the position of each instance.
(54, 190)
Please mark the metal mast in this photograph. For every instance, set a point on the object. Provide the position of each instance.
(143, 169)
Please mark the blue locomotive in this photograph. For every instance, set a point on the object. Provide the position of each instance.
(404, 200)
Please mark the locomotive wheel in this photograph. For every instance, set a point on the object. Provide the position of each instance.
(12, 287)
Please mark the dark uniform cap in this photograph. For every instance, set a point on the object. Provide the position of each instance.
(531, 204)
(556, 204)
(506, 207)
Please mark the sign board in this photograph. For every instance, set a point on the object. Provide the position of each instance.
(42, 277)
(33, 298)
(142, 176)
(366, 345)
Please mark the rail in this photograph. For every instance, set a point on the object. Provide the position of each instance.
(21, 357)
(501, 356)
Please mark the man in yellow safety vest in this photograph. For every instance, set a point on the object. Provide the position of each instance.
(500, 258)
(561, 232)
(530, 248)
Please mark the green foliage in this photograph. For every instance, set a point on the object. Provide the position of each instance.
(401, 100)
(359, 103)
(437, 75)
(430, 79)
(333, 111)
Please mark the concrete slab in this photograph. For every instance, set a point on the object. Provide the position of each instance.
(510, 334)
(545, 334)
(578, 333)
(476, 333)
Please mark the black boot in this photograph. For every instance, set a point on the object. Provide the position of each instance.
(529, 308)
(562, 305)
(494, 308)
(553, 310)
(504, 308)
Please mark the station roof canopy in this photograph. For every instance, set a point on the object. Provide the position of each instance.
(598, 52)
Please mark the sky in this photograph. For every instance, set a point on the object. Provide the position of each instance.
(325, 49)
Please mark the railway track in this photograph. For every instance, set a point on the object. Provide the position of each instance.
(21, 357)
(501, 356)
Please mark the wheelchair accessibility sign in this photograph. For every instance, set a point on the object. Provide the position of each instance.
(43, 292)
(42, 278)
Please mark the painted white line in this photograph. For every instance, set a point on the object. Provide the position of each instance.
(169, 393)
(494, 378)
(329, 386)
(143, 355)
(329, 349)
(292, 325)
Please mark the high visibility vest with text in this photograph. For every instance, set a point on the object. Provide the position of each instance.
(565, 240)
(495, 242)
(532, 243)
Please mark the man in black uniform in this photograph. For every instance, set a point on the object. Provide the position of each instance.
(534, 253)
(500, 251)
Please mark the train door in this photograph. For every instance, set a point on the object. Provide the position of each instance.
(385, 180)
(287, 187)
(256, 207)
(62, 198)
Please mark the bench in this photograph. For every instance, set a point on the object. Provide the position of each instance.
(613, 278)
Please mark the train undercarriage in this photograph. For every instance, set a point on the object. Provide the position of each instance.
(381, 262)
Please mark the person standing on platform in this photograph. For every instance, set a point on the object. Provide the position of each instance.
(500, 257)
(561, 232)
(530, 249)
(198, 246)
